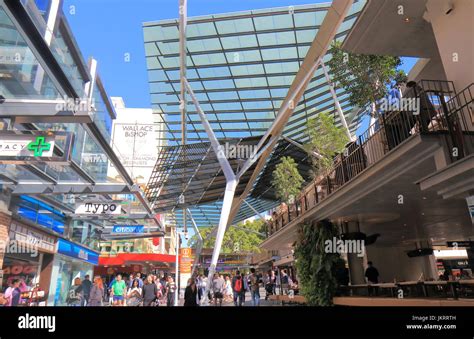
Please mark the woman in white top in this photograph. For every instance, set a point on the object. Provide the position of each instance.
(134, 295)
(228, 293)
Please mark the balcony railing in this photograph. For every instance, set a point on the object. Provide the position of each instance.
(438, 109)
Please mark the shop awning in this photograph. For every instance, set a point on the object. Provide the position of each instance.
(132, 258)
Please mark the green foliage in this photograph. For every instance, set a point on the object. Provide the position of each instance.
(326, 139)
(287, 180)
(364, 77)
(242, 239)
(316, 268)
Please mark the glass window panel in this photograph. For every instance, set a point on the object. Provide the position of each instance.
(279, 53)
(246, 70)
(309, 18)
(273, 22)
(200, 29)
(241, 41)
(223, 95)
(152, 62)
(243, 56)
(306, 35)
(21, 76)
(234, 26)
(209, 59)
(275, 39)
(280, 80)
(203, 45)
(151, 49)
(254, 94)
(152, 33)
(168, 47)
(214, 72)
(216, 84)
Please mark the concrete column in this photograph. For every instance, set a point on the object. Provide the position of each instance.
(453, 26)
(356, 262)
(470, 257)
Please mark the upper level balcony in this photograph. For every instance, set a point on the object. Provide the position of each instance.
(438, 110)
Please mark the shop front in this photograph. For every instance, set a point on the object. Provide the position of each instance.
(28, 256)
(71, 261)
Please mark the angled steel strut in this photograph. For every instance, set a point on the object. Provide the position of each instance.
(332, 21)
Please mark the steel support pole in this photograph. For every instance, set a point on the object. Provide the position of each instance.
(227, 204)
(200, 242)
(183, 17)
(176, 293)
(336, 102)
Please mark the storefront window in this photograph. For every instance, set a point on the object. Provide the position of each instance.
(23, 267)
(65, 271)
(86, 233)
(41, 214)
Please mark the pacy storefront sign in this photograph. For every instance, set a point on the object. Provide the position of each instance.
(98, 208)
(33, 146)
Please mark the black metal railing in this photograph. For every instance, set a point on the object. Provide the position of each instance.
(435, 108)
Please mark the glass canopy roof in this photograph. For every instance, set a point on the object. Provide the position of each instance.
(240, 66)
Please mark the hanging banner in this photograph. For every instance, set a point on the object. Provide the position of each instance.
(186, 262)
(34, 146)
(99, 208)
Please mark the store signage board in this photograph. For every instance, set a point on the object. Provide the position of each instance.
(126, 229)
(460, 243)
(34, 146)
(99, 208)
(76, 251)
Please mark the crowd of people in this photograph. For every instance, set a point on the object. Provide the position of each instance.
(151, 290)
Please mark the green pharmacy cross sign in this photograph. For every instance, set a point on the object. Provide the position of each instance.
(39, 146)
(26, 147)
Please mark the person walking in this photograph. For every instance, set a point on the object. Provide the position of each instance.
(218, 289)
(228, 291)
(134, 294)
(238, 288)
(13, 294)
(96, 296)
(190, 293)
(372, 275)
(170, 291)
(204, 285)
(86, 290)
(118, 291)
(149, 291)
(254, 287)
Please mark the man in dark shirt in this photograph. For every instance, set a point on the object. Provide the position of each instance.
(86, 290)
(372, 275)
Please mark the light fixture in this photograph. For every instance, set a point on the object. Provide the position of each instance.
(448, 7)
(407, 19)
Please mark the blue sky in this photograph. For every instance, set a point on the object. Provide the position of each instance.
(107, 29)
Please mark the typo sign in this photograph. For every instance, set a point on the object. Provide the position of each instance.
(99, 208)
(128, 229)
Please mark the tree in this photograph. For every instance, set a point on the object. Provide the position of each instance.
(287, 180)
(364, 77)
(316, 268)
(243, 238)
(325, 139)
